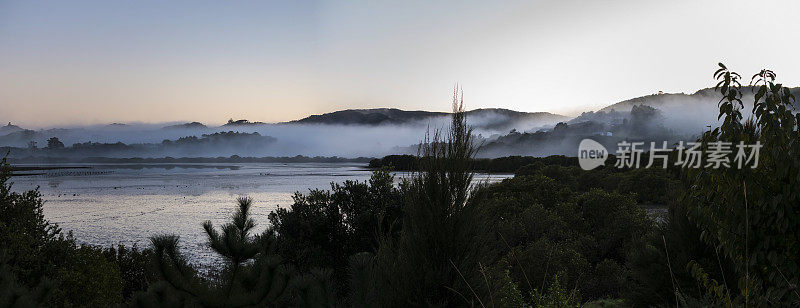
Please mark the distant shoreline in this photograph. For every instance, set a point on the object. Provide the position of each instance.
(27, 169)
(28, 166)
(32, 160)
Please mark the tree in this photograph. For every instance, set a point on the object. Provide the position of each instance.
(445, 242)
(645, 118)
(32, 245)
(751, 215)
(324, 228)
(35, 256)
(54, 143)
(252, 275)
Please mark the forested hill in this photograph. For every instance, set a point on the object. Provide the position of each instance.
(494, 117)
(703, 97)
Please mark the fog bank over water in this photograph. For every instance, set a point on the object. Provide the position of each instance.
(276, 140)
(249, 139)
(356, 133)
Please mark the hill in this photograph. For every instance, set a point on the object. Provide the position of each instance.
(377, 116)
(241, 122)
(10, 128)
(682, 113)
(491, 118)
(192, 125)
(703, 97)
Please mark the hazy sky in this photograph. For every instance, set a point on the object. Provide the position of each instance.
(89, 62)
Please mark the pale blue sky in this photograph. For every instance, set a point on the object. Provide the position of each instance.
(88, 62)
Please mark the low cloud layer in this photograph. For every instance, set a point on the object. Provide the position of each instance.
(146, 140)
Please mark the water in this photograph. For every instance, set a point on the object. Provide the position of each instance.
(109, 204)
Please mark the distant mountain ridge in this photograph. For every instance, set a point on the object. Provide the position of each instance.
(490, 117)
(374, 116)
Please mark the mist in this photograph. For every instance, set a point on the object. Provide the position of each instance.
(667, 117)
(689, 114)
(159, 140)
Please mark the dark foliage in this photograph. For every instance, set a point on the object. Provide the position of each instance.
(660, 263)
(135, 267)
(445, 244)
(40, 264)
(650, 186)
(251, 276)
(551, 231)
(509, 164)
(395, 162)
(324, 228)
(751, 215)
(54, 143)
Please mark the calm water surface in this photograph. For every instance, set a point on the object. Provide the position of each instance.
(110, 204)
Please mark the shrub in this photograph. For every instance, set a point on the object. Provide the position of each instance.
(324, 228)
(88, 279)
(251, 276)
(38, 258)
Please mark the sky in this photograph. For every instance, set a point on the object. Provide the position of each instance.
(86, 62)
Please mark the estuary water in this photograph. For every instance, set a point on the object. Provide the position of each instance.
(126, 203)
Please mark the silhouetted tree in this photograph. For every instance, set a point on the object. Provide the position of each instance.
(252, 276)
(54, 143)
(40, 264)
(752, 215)
(445, 241)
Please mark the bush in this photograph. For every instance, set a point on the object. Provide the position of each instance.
(135, 267)
(547, 229)
(88, 279)
(324, 228)
(654, 278)
(251, 276)
(37, 257)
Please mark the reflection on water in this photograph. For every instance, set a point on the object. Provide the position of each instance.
(126, 204)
